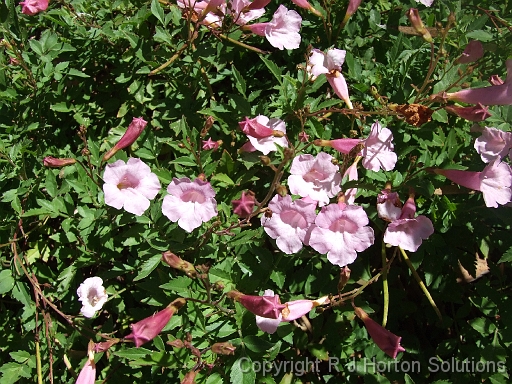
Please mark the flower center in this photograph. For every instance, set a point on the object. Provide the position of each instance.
(193, 196)
(343, 225)
(313, 176)
(92, 296)
(293, 219)
(128, 181)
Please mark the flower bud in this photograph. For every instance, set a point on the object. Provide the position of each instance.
(344, 277)
(53, 162)
(177, 263)
(132, 133)
(475, 113)
(264, 306)
(417, 24)
(281, 190)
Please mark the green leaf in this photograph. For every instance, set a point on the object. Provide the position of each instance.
(257, 344)
(239, 81)
(273, 68)
(483, 36)
(12, 372)
(76, 72)
(156, 9)
(242, 371)
(507, 256)
(6, 281)
(148, 267)
(51, 183)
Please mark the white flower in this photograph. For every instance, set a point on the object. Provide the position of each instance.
(92, 294)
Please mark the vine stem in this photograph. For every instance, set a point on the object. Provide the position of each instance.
(421, 284)
(38, 364)
(385, 290)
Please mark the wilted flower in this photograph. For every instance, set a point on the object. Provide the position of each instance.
(408, 231)
(330, 63)
(473, 51)
(130, 185)
(316, 177)
(290, 222)
(493, 144)
(190, 203)
(494, 181)
(245, 206)
(53, 162)
(282, 31)
(341, 231)
(225, 348)
(132, 133)
(92, 295)
(150, 327)
(385, 340)
(31, 7)
(492, 95)
(475, 113)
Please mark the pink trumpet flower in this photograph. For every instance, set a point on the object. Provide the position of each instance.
(385, 340)
(473, 51)
(132, 133)
(268, 306)
(492, 95)
(150, 327)
(474, 113)
(494, 181)
(32, 7)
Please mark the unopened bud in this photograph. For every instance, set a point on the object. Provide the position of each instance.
(177, 263)
(277, 133)
(265, 160)
(417, 24)
(344, 277)
(281, 190)
(53, 162)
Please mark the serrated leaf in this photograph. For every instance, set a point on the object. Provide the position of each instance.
(507, 256)
(11, 372)
(133, 353)
(257, 344)
(157, 11)
(148, 266)
(223, 178)
(273, 68)
(242, 372)
(6, 281)
(239, 81)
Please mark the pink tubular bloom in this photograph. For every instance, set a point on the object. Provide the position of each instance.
(290, 222)
(268, 306)
(245, 206)
(282, 31)
(378, 149)
(267, 144)
(150, 327)
(494, 182)
(330, 63)
(32, 7)
(53, 162)
(473, 51)
(352, 8)
(341, 231)
(305, 4)
(92, 295)
(475, 113)
(408, 231)
(130, 185)
(243, 13)
(389, 207)
(385, 340)
(316, 177)
(190, 203)
(493, 144)
(258, 4)
(132, 133)
(251, 127)
(492, 95)
(88, 373)
(351, 174)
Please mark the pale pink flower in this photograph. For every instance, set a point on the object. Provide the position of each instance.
(282, 31)
(190, 203)
(408, 231)
(32, 7)
(428, 3)
(316, 177)
(330, 63)
(473, 51)
(242, 13)
(88, 373)
(130, 185)
(389, 207)
(351, 174)
(266, 324)
(268, 144)
(378, 149)
(251, 127)
(289, 222)
(493, 144)
(132, 133)
(258, 4)
(92, 295)
(494, 181)
(492, 95)
(341, 230)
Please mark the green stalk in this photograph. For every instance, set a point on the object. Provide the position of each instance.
(38, 364)
(385, 291)
(422, 286)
